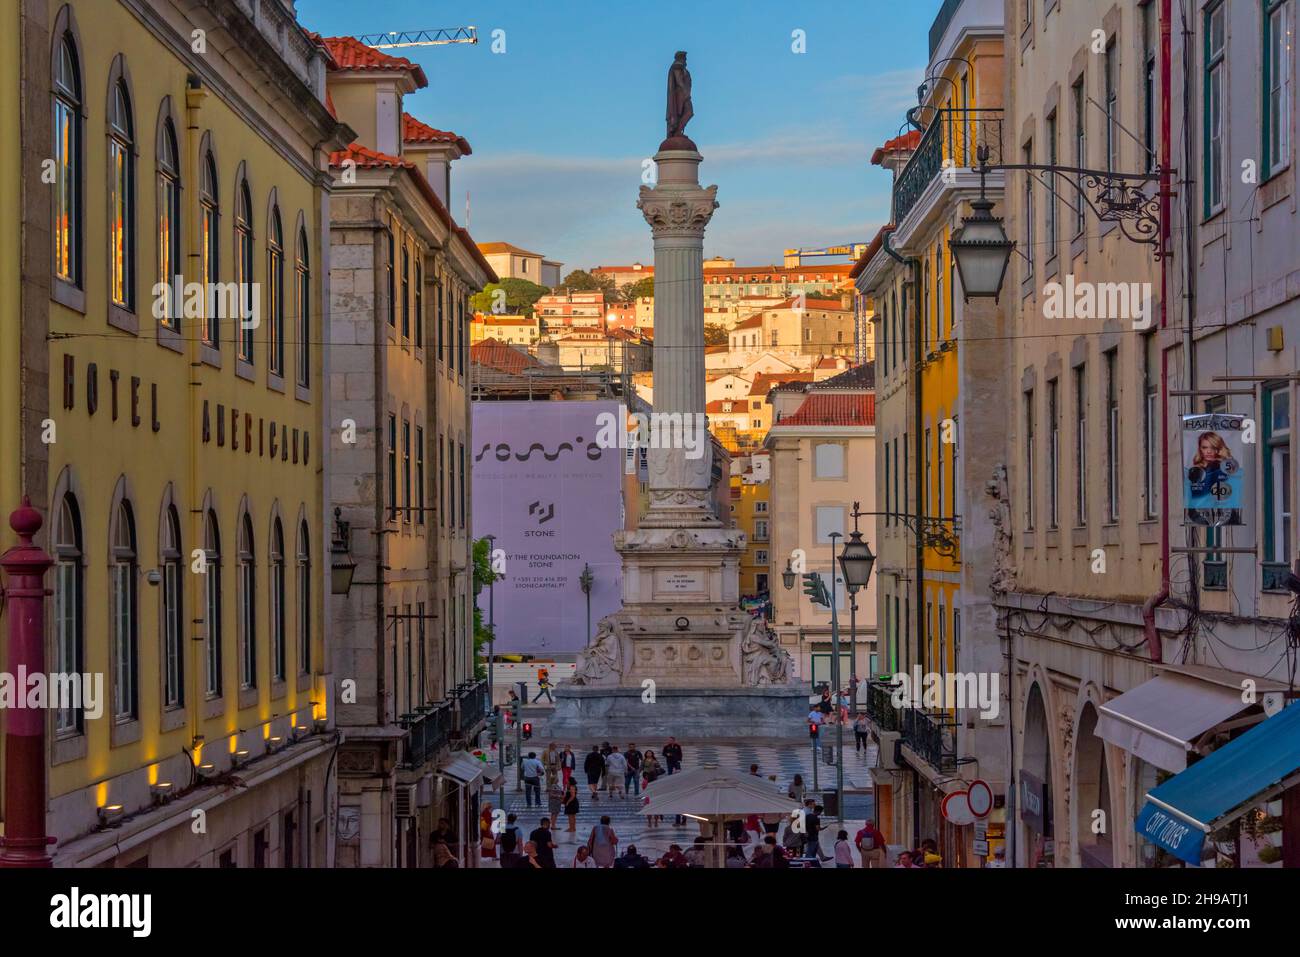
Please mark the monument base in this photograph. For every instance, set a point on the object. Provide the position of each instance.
(588, 714)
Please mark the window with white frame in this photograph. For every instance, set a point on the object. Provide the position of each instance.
(1278, 504)
(1213, 122)
(1278, 40)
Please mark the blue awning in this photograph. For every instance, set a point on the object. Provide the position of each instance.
(1222, 786)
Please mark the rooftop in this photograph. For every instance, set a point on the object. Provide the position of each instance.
(349, 53)
(414, 131)
(833, 409)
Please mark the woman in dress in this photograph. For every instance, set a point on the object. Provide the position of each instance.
(571, 807)
(487, 840)
(603, 843)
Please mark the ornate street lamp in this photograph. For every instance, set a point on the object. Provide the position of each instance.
(856, 561)
(787, 576)
(342, 567)
(980, 245)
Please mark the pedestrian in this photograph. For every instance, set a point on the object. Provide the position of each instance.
(545, 842)
(651, 771)
(697, 854)
(812, 825)
(904, 859)
(860, 732)
(753, 771)
(843, 850)
(551, 759)
(571, 807)
(442, 855)
(815, 717)
(532, 771)
(871, 845)
(487, 840)
(928, 855)
(530, 858)
(594, 766)
(791, 838)
(615, 772)
(583, 857)
(632, 776)
(797, 789)
(674, 858)
(672, 752)
(999, 857)
(602, 843)
(510, 851)
(554, 801)
(568, 764)
(604, 779)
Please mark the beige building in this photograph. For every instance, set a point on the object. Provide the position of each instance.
(511, 262)
(514, 330)
(589, 349)
(823, 459)
(401, 276)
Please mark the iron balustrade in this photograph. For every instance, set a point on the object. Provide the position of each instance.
(428, 730)
(880, 706)
(932, 735)
(952, 134)
(471, 703)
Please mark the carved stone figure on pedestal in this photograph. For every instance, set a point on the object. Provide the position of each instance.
(1003, 577)
(680, 109)
(765, 661)
(603, 657)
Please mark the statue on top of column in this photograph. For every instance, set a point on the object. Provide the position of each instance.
(680, 110)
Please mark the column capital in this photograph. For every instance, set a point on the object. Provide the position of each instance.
(676, 211)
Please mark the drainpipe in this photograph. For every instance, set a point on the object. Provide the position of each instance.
(195, 94)
(25, 843)
(1162, 596)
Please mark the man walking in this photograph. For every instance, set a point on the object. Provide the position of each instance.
(533, 771)
(860, 731)
(672, 752)
(545, 844)
(543, 686)
(871, 845)
(632, 777)
(616, 772)
(594, 766)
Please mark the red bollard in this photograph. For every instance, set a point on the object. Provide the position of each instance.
(25, 843)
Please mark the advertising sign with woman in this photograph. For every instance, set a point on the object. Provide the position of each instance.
(1213, 468)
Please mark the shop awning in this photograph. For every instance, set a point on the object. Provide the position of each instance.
(462, 767)
(1222, 786)
(1160, 719)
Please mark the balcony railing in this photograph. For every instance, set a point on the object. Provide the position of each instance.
(471, 701)
(933, 736)
(953, 134)
(880, 706)
(428, 731)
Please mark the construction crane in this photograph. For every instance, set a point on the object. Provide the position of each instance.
(419, 38)
(795, 257)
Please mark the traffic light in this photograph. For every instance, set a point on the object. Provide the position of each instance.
(528, 730)
(815, 589)
(813, 729)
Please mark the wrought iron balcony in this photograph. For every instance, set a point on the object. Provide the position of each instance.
(932, 735)
(471, 703)
(952, 134)
(880, 706)
(428, 730)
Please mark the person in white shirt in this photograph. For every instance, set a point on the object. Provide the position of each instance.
(843, 850)
(532, 771)
(583, 858)
(616, 772)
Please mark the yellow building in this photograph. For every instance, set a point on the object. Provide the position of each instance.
(512, 330)
(187, 401)
(939, 364)
(750, 488)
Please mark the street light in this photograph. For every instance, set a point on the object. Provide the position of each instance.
(787, 576)
(980, 246)
(835, 694)
(342, 567)
(585, 581)
(856, 562)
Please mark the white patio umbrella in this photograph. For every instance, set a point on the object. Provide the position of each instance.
(714, 794)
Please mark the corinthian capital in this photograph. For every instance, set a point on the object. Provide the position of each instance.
(680, 212)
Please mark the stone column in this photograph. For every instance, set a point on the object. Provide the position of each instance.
(680, 454)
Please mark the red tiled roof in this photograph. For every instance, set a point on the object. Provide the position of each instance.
(908, 141)
(764, 381)
(870, 253)
(497, 355)
(366, 158)
(349, 53)
(833, 408)
(753, 322)
(414, 131)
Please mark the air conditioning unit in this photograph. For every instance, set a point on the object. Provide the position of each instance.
(424, 791)
(889, 750)
(404, 800)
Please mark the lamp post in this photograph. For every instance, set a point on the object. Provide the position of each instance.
(585, 581)
(856, 561)
(342, 566)
(835, 695)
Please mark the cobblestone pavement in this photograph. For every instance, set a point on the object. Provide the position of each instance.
(783, 760)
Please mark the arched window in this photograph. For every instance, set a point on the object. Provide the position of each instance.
(123, 612)
(172, 612)
(69, 601)
(303, 273)
(244, 269)
(67, 162)
(169, 224)
(212, 601)
(277, 601)
(275, 294)
(121, 199)
(304, 599)
(247, 606)
(209, 249)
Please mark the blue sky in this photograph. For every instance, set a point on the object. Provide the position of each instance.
(561, 121)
